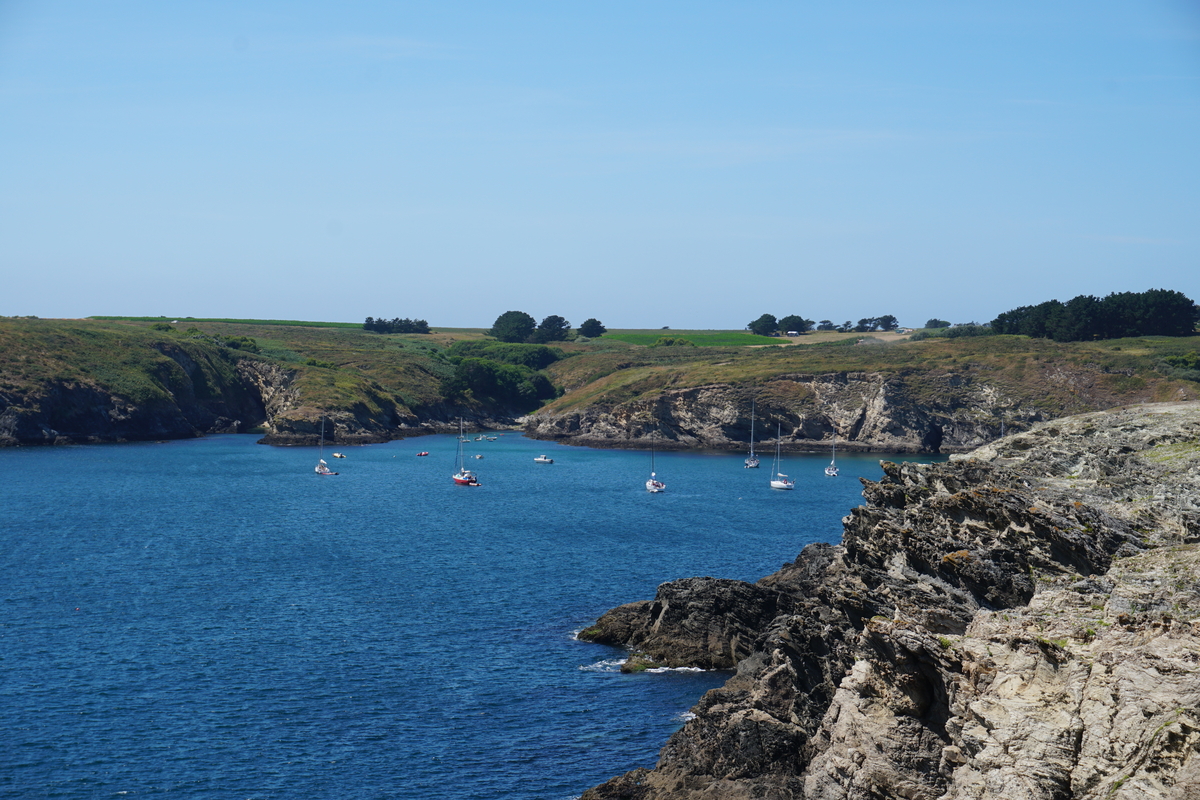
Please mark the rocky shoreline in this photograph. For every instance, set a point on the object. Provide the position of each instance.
(1021, 622)
(257, 397)
(862, 411)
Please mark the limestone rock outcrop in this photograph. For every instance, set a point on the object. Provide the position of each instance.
(1021, 622)
(897, 413)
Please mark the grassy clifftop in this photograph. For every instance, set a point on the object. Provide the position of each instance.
(1061, 378)
(392, 380)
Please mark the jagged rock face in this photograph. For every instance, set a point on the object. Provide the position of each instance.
(273, 384)
(863, 411)
(1020, 623)
(714, 633)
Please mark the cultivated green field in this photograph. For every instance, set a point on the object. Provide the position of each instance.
(188, 320)
(698, 338)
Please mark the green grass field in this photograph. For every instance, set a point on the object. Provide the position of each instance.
(188, 320)
(698, 338)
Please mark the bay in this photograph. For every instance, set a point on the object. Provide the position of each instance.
(209, 618)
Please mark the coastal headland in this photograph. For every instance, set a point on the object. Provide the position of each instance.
(78, 381)
(1022, 621)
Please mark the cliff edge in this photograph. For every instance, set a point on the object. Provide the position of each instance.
(1021, 622)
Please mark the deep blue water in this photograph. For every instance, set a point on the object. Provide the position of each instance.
(209, 618)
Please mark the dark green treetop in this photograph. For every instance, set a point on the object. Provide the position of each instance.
(794, 322)
(592, 328)
(1156, 312)
(552, 329)
(513, 326)
(764, 325)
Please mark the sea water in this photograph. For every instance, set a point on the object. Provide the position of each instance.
(210, 618)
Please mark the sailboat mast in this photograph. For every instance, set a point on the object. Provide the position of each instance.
(752, 429)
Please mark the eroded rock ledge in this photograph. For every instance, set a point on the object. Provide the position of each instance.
(1022, 622)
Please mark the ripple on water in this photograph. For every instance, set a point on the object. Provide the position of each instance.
(208, 618)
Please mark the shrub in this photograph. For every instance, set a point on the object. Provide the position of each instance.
(242, 343)
(534, 356)
(505, 385)
(396, 325)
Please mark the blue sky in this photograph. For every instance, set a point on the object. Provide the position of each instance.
(685, 164)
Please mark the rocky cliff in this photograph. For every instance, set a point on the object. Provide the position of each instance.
(180, 392)
(925, 412)
(1022, 622)
(176, 390)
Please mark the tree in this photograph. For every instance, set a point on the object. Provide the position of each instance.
(552, 329)
(396, 325)
(887, 322)
(826, 325)
(937, 323)
(796, 323)
(513, 326)
(764, 325)
(591, 328)
(1156, 312)
(865, 325)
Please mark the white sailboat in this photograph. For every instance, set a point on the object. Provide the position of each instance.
(654, 485)
(752, 461)
(463, 476)
(778, 479)
(832, 470)
(322, 468)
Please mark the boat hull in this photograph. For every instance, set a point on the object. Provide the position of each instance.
(465, 479)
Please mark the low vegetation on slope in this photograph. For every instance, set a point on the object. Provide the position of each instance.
(1062, 378)
(130, 360)
(396, 379)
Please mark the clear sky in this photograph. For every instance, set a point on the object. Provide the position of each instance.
(690, 164)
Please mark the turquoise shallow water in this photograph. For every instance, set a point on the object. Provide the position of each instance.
(209, 618)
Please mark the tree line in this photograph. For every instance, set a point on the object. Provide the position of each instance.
(767, 325)
(396, 325)
(1156, 312)
(519, 327)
